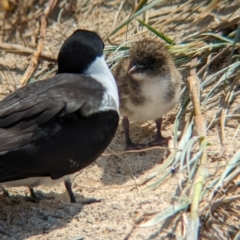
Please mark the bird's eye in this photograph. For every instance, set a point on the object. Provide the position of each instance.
(151, 61)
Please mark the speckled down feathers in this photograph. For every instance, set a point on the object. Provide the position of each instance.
(155, 90)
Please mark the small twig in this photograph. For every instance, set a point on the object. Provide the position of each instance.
(171, 149)
(34, 60)
(16, 48)
(202, 171)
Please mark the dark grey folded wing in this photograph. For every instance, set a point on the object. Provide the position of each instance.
(24, 111)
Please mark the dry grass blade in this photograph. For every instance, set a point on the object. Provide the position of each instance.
(177, 13)
(137, 8)
(219, 55)
(16, 48)
(226, 73)
(224, 195)
(189, 161)
(34, 60)
(142, 10)
(232, 164)
(225, 109)
(171, 163)
(163, 215)
(202, 172)
(162, 190)
(209, 8)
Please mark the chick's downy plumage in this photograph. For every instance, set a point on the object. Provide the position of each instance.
(149, 85)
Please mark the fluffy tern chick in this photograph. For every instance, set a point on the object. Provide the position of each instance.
(149, 86)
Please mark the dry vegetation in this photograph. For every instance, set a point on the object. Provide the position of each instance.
(142, 197)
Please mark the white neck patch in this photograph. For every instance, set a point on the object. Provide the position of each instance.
(100, 72)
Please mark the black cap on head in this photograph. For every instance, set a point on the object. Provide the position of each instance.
(79, 51)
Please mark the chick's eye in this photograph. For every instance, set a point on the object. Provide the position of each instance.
(135, 64)
(151, 61)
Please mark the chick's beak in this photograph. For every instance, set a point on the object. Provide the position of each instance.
(135, 68)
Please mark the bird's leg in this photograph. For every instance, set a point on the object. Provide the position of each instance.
(5, 192)
(37, 197)
(159, 140)
(33, 195)
(129, 144)
(13, 199)
(68, 186)
(158, 122)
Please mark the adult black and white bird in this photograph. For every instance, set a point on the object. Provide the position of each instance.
(149, 86)
(53, 128)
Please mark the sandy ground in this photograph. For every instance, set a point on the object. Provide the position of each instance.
(113, 179)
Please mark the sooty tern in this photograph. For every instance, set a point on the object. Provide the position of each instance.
(53, 128)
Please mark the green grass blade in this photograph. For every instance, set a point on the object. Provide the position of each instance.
(159, 34)
(141, 5)
(144, 9)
